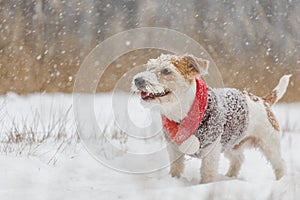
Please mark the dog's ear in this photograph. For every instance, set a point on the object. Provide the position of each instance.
(198, 64)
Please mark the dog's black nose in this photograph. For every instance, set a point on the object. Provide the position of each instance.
(139, 82)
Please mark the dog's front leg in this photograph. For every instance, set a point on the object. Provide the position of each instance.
(210, 163)
(176, 160)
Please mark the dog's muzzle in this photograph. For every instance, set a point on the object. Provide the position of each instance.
(147, 89)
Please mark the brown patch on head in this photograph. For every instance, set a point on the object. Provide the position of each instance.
(187, 66)
(270, 98)
(272, 118)
(190, 66)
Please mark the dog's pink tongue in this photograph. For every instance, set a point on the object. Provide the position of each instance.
(146, 95)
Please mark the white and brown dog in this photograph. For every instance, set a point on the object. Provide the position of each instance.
(203, 122)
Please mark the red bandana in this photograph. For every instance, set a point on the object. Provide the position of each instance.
(179, 133)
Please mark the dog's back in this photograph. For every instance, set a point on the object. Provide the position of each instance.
(236, 115)
(226, 114)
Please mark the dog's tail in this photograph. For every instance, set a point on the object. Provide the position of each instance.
(278, 92)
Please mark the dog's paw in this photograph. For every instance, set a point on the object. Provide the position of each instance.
(204, 181)
(176, 169)
(175, 173)
(207, 179)
(279, 173)
(231, 174)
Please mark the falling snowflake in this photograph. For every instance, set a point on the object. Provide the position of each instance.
(127, 43)
(39, 57)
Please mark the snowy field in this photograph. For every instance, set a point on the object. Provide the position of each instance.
(41, 157)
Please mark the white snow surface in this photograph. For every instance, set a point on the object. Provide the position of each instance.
(77, 175)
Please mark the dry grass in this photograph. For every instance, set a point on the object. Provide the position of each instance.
(46, 140)
(109, 138)
(52, 138)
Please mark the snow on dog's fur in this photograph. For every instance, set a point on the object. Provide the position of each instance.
(232, 121)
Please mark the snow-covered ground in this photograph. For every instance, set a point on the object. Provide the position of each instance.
(59, 167)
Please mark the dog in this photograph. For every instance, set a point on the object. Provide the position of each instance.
(203, 122)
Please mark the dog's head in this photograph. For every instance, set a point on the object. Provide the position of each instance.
(168, 78)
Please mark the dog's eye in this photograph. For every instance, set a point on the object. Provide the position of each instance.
(165, 71)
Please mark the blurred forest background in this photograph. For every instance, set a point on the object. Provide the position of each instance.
(43, 42)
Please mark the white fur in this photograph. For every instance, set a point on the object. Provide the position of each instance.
(268, 139)
(281, 87)
(178, 110)
(210, 164)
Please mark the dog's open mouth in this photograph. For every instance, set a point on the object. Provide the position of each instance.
(149, 96)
